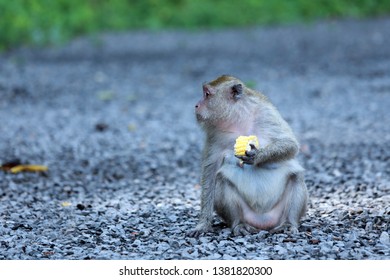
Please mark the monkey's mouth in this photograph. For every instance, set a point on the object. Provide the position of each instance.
(199, 117)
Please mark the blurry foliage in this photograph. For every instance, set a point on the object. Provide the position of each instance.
(54, 21)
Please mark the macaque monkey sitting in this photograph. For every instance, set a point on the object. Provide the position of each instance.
(263, 189)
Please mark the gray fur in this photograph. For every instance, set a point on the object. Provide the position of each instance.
(265, 195)
(261, 187)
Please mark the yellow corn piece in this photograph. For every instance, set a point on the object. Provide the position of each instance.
(66, 204)
(29, 168)
(243, 144)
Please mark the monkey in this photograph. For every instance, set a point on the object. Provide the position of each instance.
(261, 190)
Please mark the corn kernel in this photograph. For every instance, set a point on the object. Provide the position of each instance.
(243, 144)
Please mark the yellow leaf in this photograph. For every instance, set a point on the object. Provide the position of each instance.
(106, 95)
(66, 204)
(131, 97)
(29, 168)
(132, 127)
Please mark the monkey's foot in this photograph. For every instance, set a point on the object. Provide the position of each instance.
(293, 229)
(290, 229)
(198, 231)
(243, 229)
(195, 233)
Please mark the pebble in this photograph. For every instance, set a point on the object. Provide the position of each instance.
(384, 238)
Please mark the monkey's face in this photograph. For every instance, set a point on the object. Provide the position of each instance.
(204, 106)
(219, 102)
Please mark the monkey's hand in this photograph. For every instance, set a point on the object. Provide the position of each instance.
(249, 157)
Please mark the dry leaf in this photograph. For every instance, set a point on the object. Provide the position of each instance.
(131, 127)
(66, 204)
(28, 168)
(106, 95)
(10, 164)
(131, 97)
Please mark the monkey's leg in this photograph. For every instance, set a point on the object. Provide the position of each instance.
(289, 207)
(242, 219)
(262, 188)
(296, 206)
(229, 205)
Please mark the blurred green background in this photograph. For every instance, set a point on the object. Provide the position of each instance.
(40, 22)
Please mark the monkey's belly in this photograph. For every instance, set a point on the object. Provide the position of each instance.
(260, 187)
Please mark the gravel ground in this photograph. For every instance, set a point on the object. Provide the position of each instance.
(112, 118)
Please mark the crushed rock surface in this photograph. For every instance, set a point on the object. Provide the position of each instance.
(113, 120)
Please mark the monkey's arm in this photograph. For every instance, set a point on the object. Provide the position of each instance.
(276, 151)
(282, 144)
(207, 198)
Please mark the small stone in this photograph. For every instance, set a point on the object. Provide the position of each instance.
(314, 241)
(172, 218)
(368, 226)
(174, 244)
(211, 247)
(203, 239)
(136, 243)
(186, 253)
(337, 173)
(227, 257)
(280, 250)
(240, 240)
(101, 127)
(215, 256)
(80, 206)
(384, 238)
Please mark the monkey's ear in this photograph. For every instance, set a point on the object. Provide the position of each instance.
(237, 91)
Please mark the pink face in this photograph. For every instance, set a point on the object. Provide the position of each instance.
(201, 109)
(219, 103)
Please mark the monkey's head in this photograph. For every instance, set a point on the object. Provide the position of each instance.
(225, 101)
